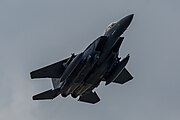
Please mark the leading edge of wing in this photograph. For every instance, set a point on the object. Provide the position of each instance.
(51, 71)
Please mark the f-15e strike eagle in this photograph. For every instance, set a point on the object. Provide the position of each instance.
(79, 74)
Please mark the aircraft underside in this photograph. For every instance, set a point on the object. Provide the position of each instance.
(79, 74)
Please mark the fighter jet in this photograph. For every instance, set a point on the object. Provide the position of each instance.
(81, 73)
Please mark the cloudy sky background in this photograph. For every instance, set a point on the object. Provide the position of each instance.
(40, 32)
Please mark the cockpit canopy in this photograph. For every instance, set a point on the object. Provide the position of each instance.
(111, 25)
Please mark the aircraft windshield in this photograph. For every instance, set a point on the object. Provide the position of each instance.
(110, 25)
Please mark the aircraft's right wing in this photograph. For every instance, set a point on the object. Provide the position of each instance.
(52, 71)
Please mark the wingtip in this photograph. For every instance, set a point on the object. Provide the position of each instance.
(31, 75)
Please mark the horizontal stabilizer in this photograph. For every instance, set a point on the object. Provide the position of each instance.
(52, 71)
(49, 94)
(124, 77)
(101, 42)
(90, 97)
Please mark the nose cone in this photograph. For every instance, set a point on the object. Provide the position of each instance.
(118, 29)
(125, 22)
(129, 17)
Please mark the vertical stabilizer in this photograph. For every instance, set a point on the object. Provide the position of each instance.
(56, 82)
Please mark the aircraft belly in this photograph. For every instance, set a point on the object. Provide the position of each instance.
(90, 81)
(79, 74)
(81, 89)
(84, 71)
(96, 75)
(75, 80)
(99, 71)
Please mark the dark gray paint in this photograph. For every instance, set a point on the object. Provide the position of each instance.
(32, 33)
(80, 74)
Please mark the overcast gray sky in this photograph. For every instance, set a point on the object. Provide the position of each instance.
(35, 33)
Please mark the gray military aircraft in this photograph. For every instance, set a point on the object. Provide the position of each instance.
(79, 74)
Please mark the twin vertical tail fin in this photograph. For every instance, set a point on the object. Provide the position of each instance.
(56, 82)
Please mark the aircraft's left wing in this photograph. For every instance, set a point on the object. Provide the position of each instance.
(51, 71)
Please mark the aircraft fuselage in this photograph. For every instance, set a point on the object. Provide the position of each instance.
(92, 66)
(79, 74)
